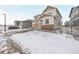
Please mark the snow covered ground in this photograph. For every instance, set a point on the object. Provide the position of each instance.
(3, 44)
(39, 42)
(7, 46)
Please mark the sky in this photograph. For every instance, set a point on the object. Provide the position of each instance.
(24, 12)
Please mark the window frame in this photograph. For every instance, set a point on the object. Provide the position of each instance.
(47, 21)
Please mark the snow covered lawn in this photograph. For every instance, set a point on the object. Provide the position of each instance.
(39, 42)
(7, 46)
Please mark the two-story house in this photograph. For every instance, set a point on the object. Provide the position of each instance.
(49, 19)
(74, 19)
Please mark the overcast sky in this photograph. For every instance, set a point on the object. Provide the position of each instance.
(24, 12)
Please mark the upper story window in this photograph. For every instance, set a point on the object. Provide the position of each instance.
(55, 17)
(50, 13)
(17, 23)
(47, 21)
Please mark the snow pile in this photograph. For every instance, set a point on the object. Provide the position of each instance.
(39, 42)
(3, 45)
(7, 46)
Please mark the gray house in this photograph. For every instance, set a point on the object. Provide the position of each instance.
(23, 24)
(74, 19)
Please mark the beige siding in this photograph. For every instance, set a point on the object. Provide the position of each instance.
(51, 20)
(35, 26)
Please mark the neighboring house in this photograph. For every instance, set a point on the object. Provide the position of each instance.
(23, 24)
(49, 19)
(66, 27)
(66, 24)
(74, 19)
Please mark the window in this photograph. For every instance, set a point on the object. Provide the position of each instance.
(59, 23)
(55, 17)
(17, 23)
(47, 21)
(50, 13)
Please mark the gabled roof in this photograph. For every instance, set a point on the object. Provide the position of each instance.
(58, 12)
(72, 10)
(52, 8)
(48, 7)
